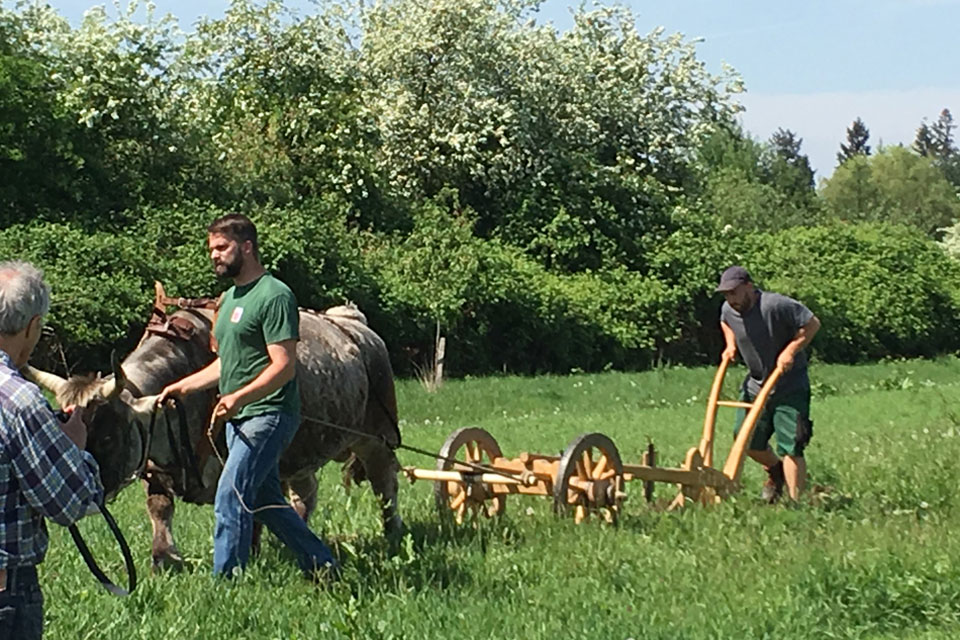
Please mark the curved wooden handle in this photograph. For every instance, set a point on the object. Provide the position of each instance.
(710, 420)
(734, 465)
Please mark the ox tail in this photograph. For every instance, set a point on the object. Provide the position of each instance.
(353, 471)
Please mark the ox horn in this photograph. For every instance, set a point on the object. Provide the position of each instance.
(145, 405)
(45, 379)
(112, 388)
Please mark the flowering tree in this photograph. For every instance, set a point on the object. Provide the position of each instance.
(571, 145)
(114, 79)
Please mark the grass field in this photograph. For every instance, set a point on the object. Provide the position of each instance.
(874, 555)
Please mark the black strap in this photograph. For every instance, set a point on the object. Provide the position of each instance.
(95, 568)
(185, 443)
(183, 454)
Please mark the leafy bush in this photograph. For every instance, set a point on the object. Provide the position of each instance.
(879, 290)
(100, 287)
(102, 283)
(501, 310)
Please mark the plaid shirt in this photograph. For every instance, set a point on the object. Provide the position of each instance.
(42, 473)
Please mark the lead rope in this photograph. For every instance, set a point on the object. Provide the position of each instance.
(223, 463)
(92, 563)
(477, 468)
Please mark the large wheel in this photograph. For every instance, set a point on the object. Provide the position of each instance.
(589, 479)
(456, 499)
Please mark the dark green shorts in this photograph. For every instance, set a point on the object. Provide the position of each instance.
(788, 417)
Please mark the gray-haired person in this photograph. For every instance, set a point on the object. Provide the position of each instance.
(771, 330)
(44, 472)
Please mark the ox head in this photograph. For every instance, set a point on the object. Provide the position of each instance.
(116, 421)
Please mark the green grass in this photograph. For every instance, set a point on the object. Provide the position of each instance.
(874, 556)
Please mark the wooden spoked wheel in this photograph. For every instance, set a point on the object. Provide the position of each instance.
(458, 499)
(589, 479)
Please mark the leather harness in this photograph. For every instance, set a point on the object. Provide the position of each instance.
(175, 327)
(178, 328)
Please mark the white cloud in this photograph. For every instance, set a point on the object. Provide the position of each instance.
(821, 119)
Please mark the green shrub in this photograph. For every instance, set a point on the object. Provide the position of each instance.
(895, 185)
(879, 290)
(501, 310)
(100, 285)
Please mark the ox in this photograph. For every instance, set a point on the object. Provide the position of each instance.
(345, 380)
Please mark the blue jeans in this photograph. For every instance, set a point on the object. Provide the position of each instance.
(254, 446)
(21, 606)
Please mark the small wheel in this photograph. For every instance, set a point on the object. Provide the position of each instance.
(589, 479)
(472, 445)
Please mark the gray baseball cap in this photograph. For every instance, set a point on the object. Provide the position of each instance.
(732, 278)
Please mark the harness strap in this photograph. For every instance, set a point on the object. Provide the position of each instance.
(181, 448)
(173, 327)
(162, 300)
(92, 563)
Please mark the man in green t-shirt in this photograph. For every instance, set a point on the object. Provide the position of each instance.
(257, 329)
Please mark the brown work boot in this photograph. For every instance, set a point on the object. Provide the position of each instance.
(773, 487)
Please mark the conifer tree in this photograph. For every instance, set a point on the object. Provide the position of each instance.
(857, 136)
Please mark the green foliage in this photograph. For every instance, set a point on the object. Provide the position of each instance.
(747, 204)
(942, 147)
(499, 309)
(894, 186)
(756, 187)
(879, 290)
(567, 145)
(787, 169)
(41, 148)
(552, 201)
(117, 80)
(276, 105)
(856, 143)
(100, 286)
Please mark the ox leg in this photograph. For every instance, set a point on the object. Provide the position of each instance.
(302, 492)
(381, 467)
(160, 509)
(256, 538)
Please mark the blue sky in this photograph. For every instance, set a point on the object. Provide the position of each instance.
(811, 66)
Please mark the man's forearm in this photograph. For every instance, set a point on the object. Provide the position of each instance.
(804, 336)
(201, 380)
(270, 379)
(729, 338)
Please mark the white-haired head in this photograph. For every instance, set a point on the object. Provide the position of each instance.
(23, 295)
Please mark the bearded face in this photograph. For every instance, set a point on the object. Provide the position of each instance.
(226, 255)
(741, 298)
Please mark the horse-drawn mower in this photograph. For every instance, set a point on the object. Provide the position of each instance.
(473, 477)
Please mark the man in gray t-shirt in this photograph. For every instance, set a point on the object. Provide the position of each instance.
(770, 331)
